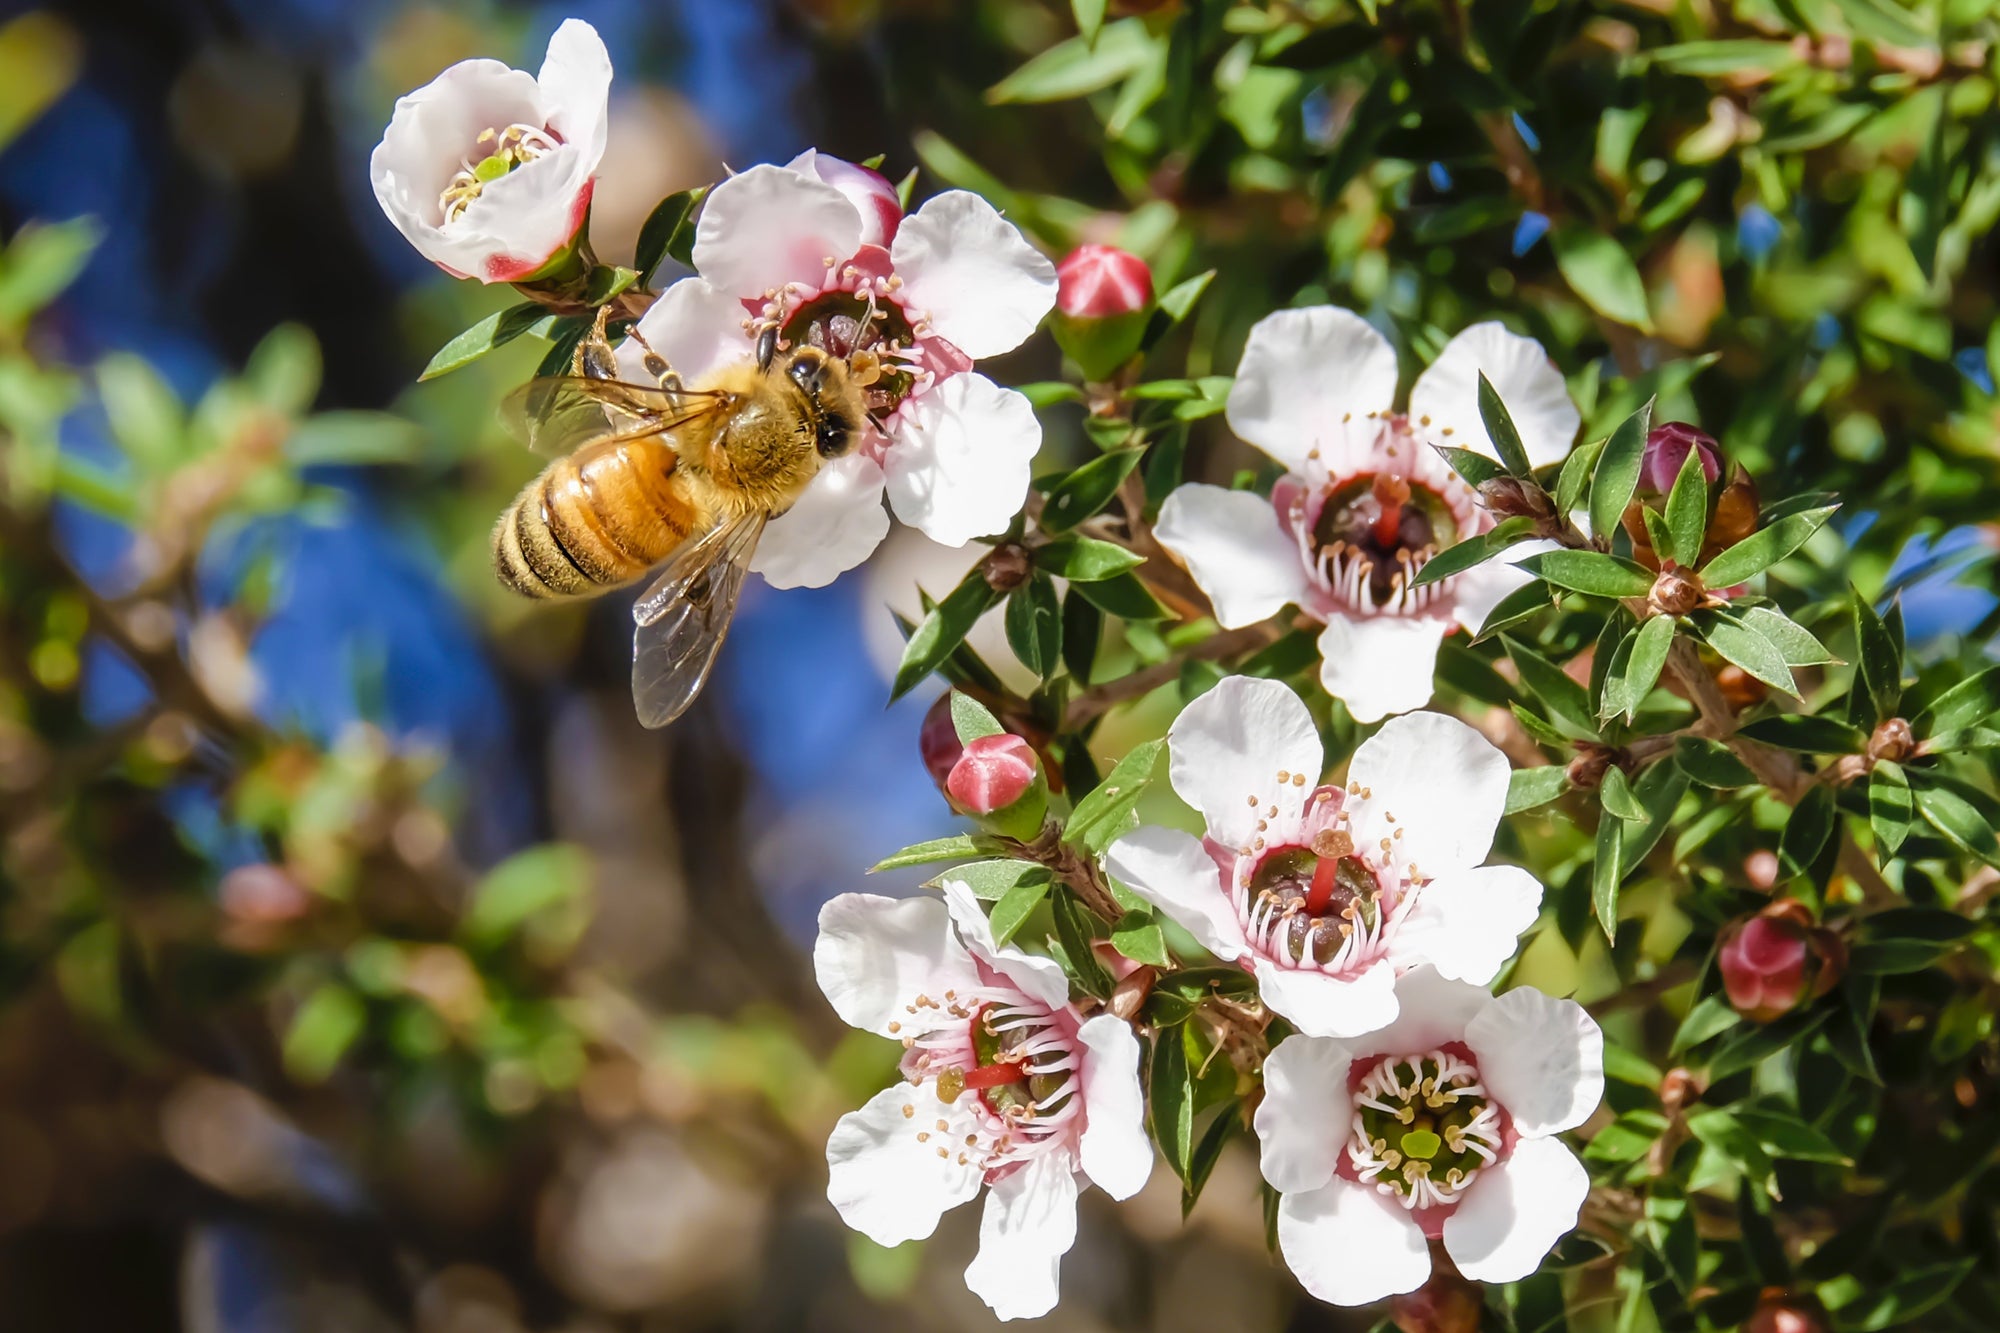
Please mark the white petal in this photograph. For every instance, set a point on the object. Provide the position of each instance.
(1303, 1120)
(1113, 1150)
(1478, 590)
(1520, 371)
(959, 457)
(833, 527)
(1174, 872)
(576, 88)
(868, 190)
(1543, 1058)
(697, 329)
(1349, 1245)
(1378, 665)
(1028, 1226)
(1323, 1006)
(1302, 374)
(1039, 978)
(874, 955)
(1514, 1214)
(1468, 922)
(769, 227)
(1228, 748)
(1444, 784)
(1236, 549)
(887, 1183)
(1432, 1010)
(972, 273)
(523, 218)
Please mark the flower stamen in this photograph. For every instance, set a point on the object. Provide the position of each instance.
(508, 150)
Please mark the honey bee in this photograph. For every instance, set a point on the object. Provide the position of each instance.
(688, 475)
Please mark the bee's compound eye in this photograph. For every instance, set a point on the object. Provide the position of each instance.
(833, 438)
(808, 372)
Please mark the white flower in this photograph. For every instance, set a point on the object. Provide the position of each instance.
(1366, 501)
(1440, 1125)
(488, 170)
(807, 247)
(1328, 893)
(1006, 1086)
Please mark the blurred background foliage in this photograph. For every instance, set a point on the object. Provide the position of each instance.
(364, 966)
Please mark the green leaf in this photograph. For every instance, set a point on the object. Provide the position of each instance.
(1891, 808)
(1807, 831)
(1106, 812)
(971, 719)
(1139, 937)
(145, 416)
(1605, 875)
(1617, 474)
(1075, 936)
(1626, 1139)
(40, 261)
(353, 439)
(1599, 268)
(1746, 648)
(1016, 905)
(1756, 1044)
(1123, 595)
(1174, 305)
(1881, 668)
(1529, 599)
(1965, 704)
(1089, 17)
(1958, 820)
(1461, 556)
(1764, 548)
(1170, 1099)
(521, 887)
(1034, 626)
(322, 1030)
(1078, 65)
(1649, 657)
(1563, 697)
(1806, 733)
(496, 330)
(1530, 787)
(1710, 1017)
(942, 630)
(959, 847)
(990, 880)
(1575, 476)
(1086, 490)
(1085, 559)
(1477, 469)
(1615, 793)
(1794, 642)
(1711, 763)
(1687, 511)
(1500, 429)
(1083, 625)
(668, 230)
(1206, 1154)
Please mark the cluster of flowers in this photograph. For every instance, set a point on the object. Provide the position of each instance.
(1410, 1103)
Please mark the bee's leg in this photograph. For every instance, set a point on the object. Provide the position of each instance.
(656, 365)
(594, 357)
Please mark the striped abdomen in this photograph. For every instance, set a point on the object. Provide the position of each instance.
(599, 518)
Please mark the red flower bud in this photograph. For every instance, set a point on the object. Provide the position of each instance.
(1777, 960)
(1447, 1303)
(1099, 281)
(1781, 1312)
(992, 774)
(1667, 449)
(938, 741)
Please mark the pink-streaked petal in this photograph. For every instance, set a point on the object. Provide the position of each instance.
(1174, 872)
(1236, 549)
(698, 329)
(1379, 665)
(1320, 1005)
(1521, 373)
(1349, 1245)
(1467, 923)
(769, 227)
(1037, 978)
(1028, 1226)
(1514, 1213)
(875, 955)
(1432, 785)
(1302, 1121)
(1541, 1057)
(576, 88)
(1239, 750)
(833, 527)
(1306, 374)
(887, 1183)
(959, 457)
(1113, 1150)
(972, 274)
(873, 197)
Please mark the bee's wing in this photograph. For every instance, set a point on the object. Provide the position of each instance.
(557, 413)
(683, 618)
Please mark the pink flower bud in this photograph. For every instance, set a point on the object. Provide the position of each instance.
(1099, 281)
(1667, 450)
(938, 741)
(868, 190)
(1775, 961)
(992, 774)
(1779, 1312)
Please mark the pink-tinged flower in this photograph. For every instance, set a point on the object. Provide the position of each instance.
(1005, 1085)
(1328, 893)
(992, 773)
(1366, 501)
(1100, 281)
(811, 249)
(1777, 960)
(1667, 450)
(1440, 1126)
(487, 170)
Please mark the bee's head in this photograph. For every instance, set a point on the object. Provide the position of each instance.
(835, 400)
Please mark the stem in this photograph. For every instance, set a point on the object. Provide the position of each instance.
(1100, 699)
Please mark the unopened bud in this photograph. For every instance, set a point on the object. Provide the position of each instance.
(1777, 960)
(1446, 1303)
(1666, 452)
(1586, 771)
(999, 782)
(1675, 592)
(1736, 514)
(1893, 741)
(1780, 1311)
(1104, 298)
(1511, 497)
(1678, 1089)
(938, 740)
(1129, 995)
(1008, 567)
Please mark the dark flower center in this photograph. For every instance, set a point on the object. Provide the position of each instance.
(842, 324)
(1387, 521)
(1322, 891)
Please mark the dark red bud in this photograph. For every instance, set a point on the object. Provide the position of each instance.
(1778, 960)
(1008, 567)
(1667, 450)
(938, 740)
